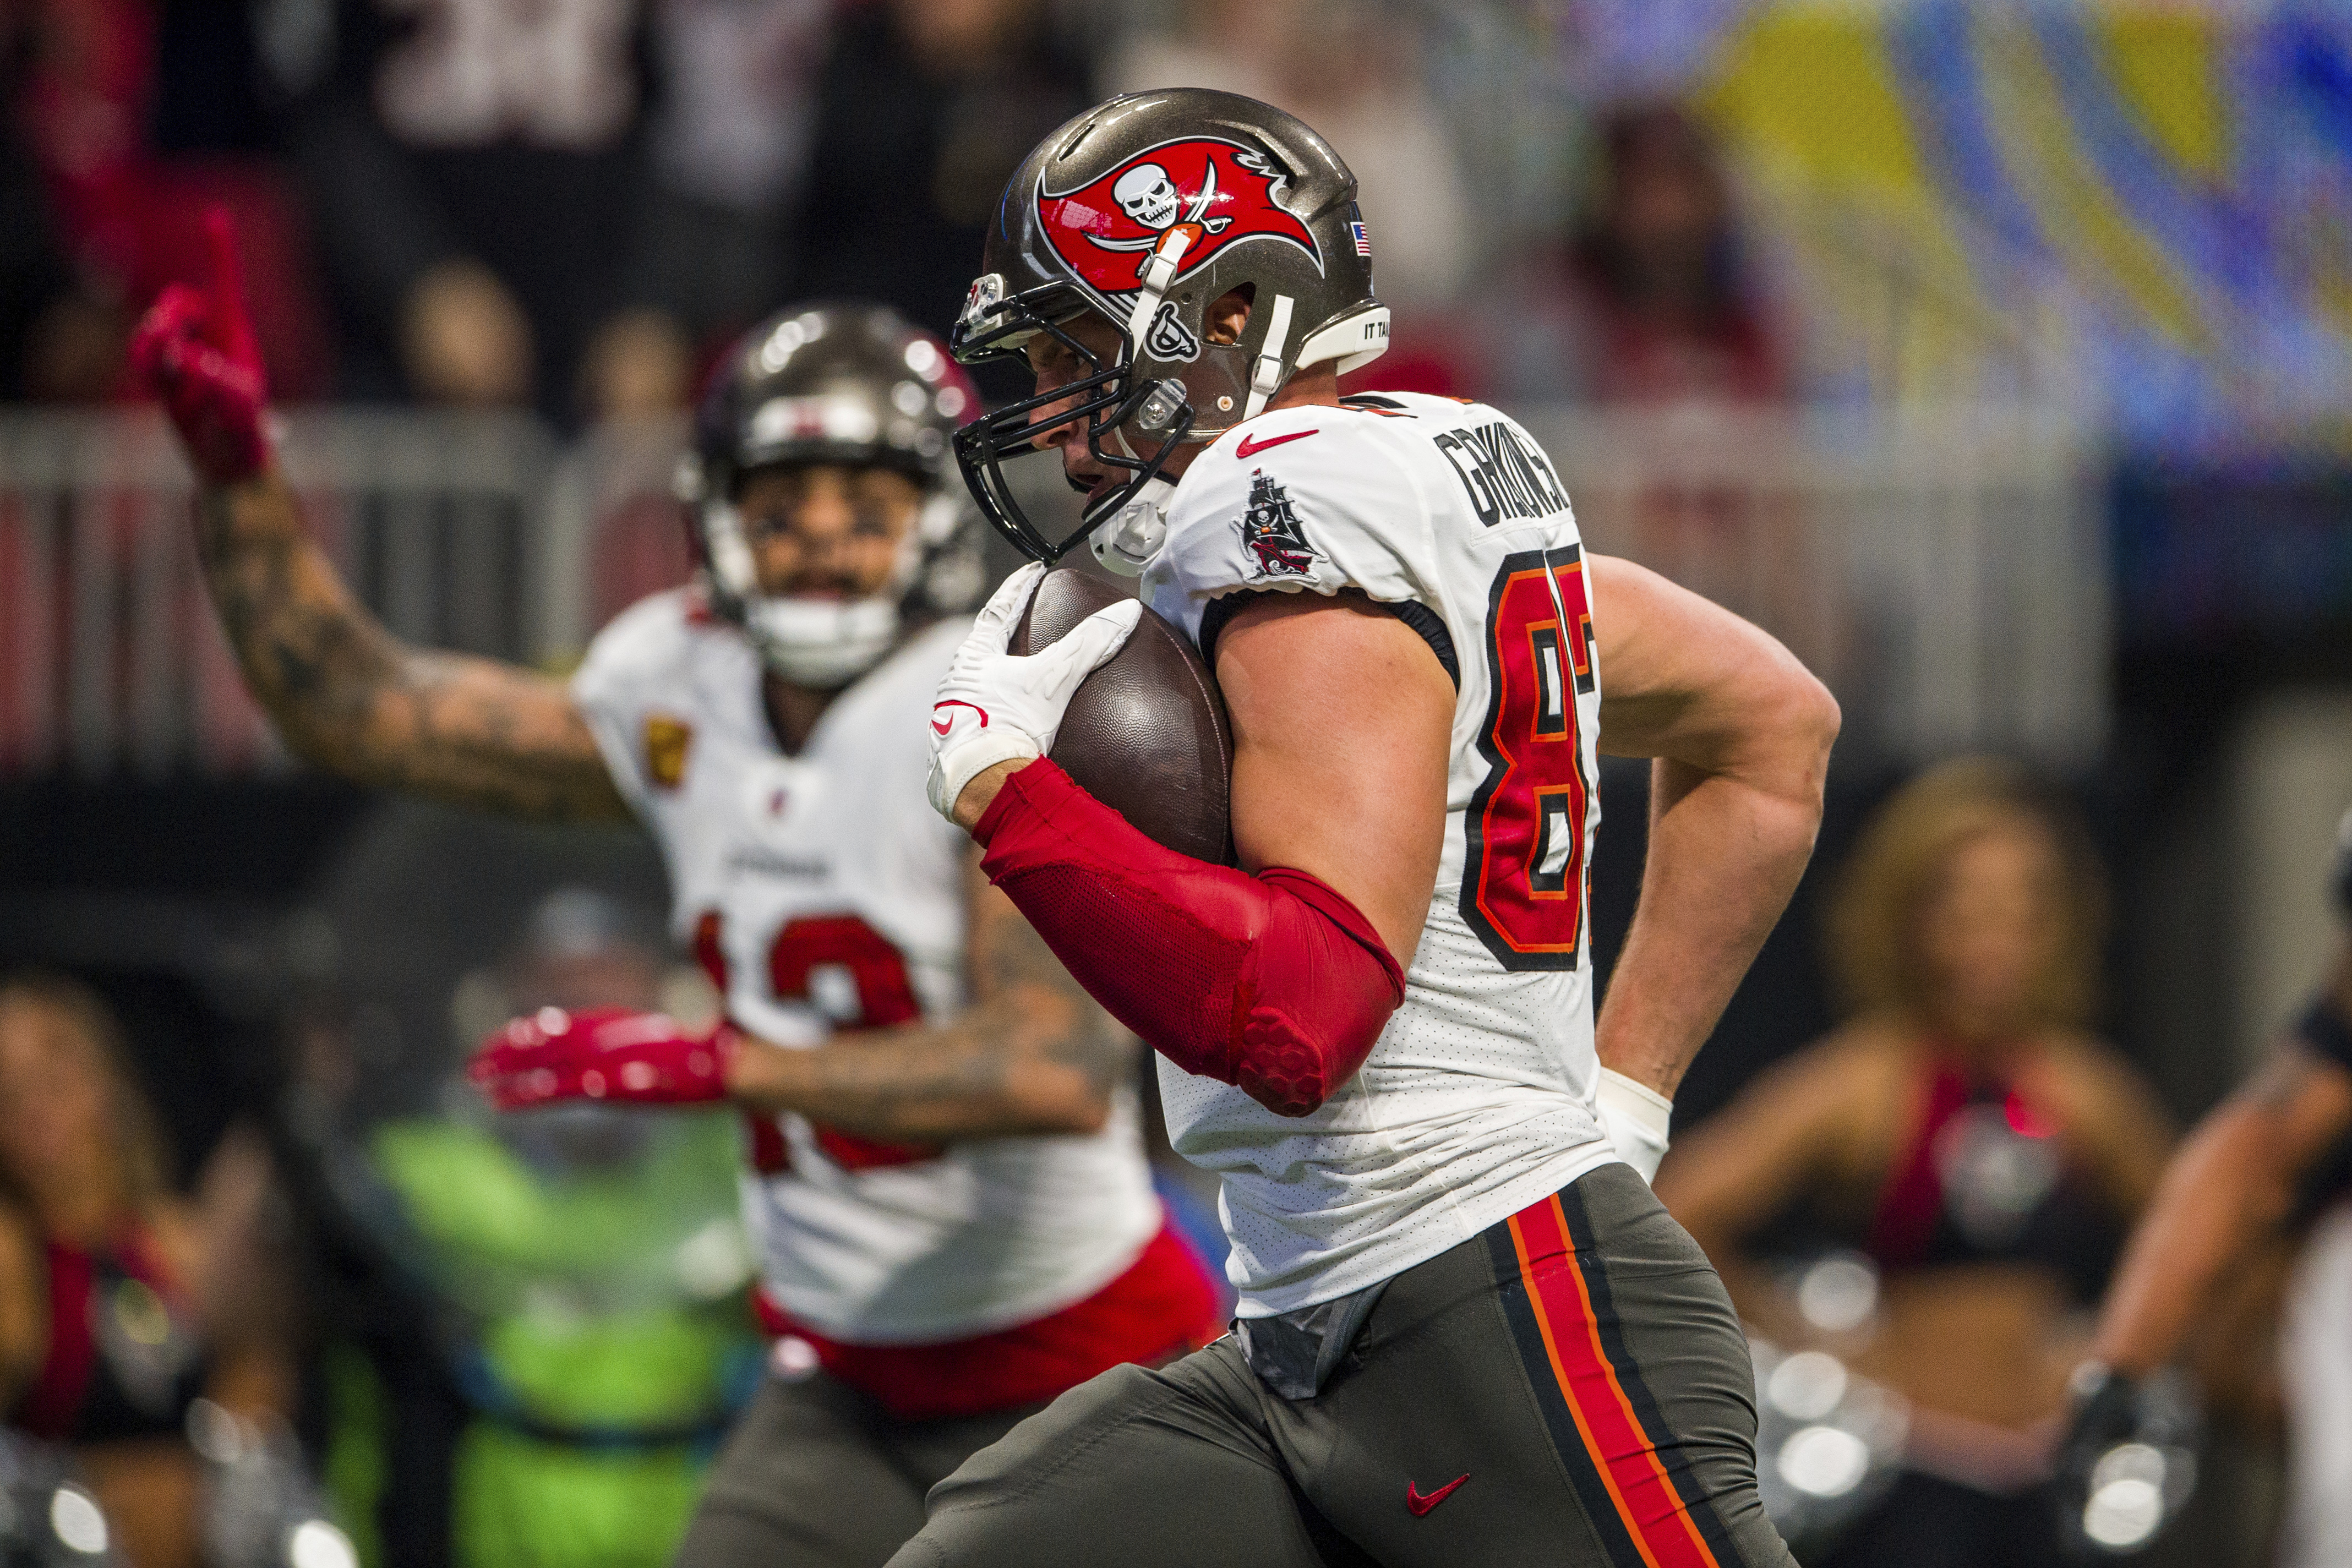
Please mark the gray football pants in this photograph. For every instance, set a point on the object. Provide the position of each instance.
(1570, 1387)
(816, 1475)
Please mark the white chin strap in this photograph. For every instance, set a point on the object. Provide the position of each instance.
(822, 643)
(1265, 375)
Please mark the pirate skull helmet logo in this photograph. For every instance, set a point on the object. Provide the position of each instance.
(1207, 190)
(1148, 195)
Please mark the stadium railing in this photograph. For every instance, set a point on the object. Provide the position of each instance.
(1943, 568)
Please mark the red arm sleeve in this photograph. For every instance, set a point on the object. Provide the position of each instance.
(1273, 983)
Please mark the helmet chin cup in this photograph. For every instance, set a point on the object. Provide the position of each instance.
(822, 643)
(1126, 543)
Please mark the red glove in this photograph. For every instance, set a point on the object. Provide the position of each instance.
(609, 1053)
(196, 352)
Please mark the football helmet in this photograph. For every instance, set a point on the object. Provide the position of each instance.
(1145, 211)
(848, 383)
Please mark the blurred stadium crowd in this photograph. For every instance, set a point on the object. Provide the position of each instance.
(2074, 505)
(461, 205)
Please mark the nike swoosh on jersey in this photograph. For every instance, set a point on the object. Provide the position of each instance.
(1420, 1505)
(1249, 447)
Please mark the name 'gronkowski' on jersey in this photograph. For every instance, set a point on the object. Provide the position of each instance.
(1477, 1098)
(828, 896)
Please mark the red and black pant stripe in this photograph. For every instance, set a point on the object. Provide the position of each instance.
(1631, 1472)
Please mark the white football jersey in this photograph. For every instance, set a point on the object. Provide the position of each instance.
(835, 897)
(1477, 1099)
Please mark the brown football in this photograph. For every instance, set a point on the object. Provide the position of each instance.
(1146, 734)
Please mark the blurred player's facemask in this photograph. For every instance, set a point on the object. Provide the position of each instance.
(1143, 211)
(846, 385)
(819, 643)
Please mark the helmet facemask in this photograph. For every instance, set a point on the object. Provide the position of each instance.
(811, 640)
(1133, 425)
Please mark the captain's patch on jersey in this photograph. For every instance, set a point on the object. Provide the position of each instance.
(667, 740)
(1271, 532)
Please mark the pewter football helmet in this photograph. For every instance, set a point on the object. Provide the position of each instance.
(1145, 211)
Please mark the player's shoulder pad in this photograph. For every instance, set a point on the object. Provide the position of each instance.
(898, 693)
(1314, 498)
(646, 646)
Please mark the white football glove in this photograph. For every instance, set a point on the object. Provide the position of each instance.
(993, 707)
(1636, 1117)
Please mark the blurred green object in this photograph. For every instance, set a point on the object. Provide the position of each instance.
(594, 1269)
(521, 1502)
(606, 1207)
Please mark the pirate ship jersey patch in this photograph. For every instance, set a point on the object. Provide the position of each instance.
(1271, 533)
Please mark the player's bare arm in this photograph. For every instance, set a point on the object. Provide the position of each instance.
(1353, 791)
(2231, 1186)
(345, 694)
(1033, 1054)
(1741, 732)
(349, 698)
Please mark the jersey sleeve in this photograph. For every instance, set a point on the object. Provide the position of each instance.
(614, 686)
(1306, 500)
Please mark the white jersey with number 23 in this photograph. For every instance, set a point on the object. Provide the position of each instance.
(830, 896)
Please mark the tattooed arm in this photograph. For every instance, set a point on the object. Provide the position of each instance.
(349, 698)
(1032, 1053)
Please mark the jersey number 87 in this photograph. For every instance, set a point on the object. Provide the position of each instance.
(1523, 881)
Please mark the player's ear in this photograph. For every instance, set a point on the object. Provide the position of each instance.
(1231, 313)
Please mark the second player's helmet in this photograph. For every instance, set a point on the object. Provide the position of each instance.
(847, 384)
(1144, 212)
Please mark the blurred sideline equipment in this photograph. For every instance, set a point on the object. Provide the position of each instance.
(2259, 1160)
(952, 1213)
(2128, 1464)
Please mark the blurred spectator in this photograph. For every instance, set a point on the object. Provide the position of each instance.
(1650, 301)
(41, 354)
(136, 115)
(478, 174)
(925, 108)
(121, 1303)
(584, 1273)
(730, 145)
(1353, 71)
(1964, 1134)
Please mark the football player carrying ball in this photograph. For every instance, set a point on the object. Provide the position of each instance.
(1468, 1333)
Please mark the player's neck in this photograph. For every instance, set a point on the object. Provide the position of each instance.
(1314, 385)
(793, 710)
(1318, 386)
